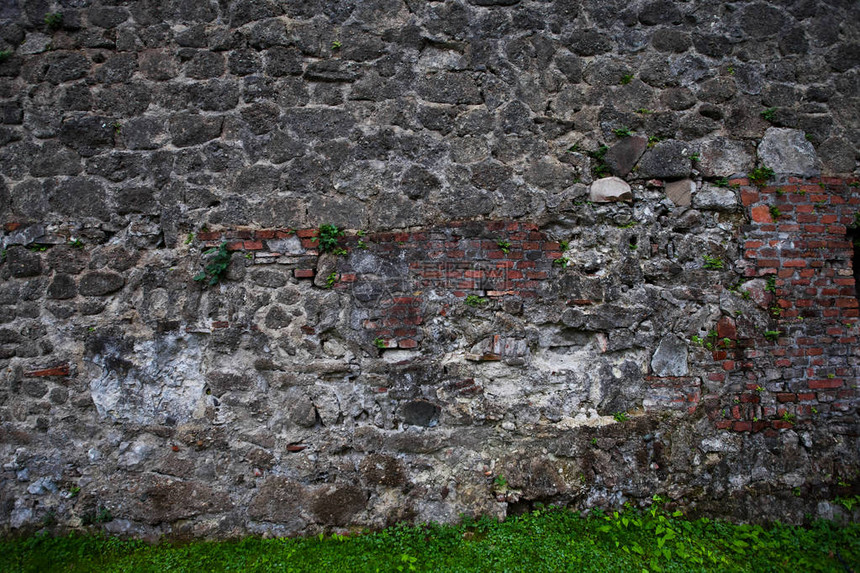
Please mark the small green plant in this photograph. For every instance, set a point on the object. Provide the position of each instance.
(74, 491)
(500, 482)
(770, 284)
(215, 270)
(848, 502)
(563, 245)
(721, 182)
(787, 417)
(653, 140)
(5, 55)
(697, 340)
(626, 79)
(100, 515)
(727, 342)
(361, 244)
(599, 167)
(336, 45)
(331, 280)
(53, 20)
(49, 519)
(769, 114)
(731, 70)
(644, 111)
(760, 175)
(504, 245)
(775, 213)
(76, 243)
(620, 416)
(796, 492)
(759, 389)
(379, 343)
(327, 238)
(593, 441)
(562, 262)
(780, 192)
(695, 157)
(37, 248)
(771, 335)
(475, 300)
(189, 238)
(712, 263)
(831, 375)
(117, 127)
(622, 132)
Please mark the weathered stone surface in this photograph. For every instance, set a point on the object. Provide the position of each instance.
(610, 189)
(100, 283)
(23, 263)
(87, 135)
(165, 500)
(720, 157)
(681, 192)
(787, 152)
(380, 469)
(446, 87)
(279, 500)
(484, 309)
(337, 504)
(62, 287)
(670, 358)
(716, 198)
(192, 129)
(622, 156)
(667, 160)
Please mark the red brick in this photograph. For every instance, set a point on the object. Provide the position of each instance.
(220, 324)
(265, 234)
(61, 370)
(209, 235)
(253, 245)
(826, 383)
(726, 328)
(304, 273)
(761, 214)
(723, 424)
(794, 263)
(235, 245)
(742, 426)
(786, 397)
(307, 233)
(407, 343)
(749, 196)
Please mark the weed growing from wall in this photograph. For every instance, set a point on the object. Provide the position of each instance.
(217, 266)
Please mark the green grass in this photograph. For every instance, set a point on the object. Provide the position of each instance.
(540, 541)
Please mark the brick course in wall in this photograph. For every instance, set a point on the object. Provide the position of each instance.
(803, 255)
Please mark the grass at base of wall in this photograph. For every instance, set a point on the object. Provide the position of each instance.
(550, 540)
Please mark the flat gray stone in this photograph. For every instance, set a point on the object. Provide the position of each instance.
(610, 189)
(623, 155)
(787, 152)
(715, 198)
(680, 192)
(670, 358)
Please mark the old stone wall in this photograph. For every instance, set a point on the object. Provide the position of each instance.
(280, 267)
